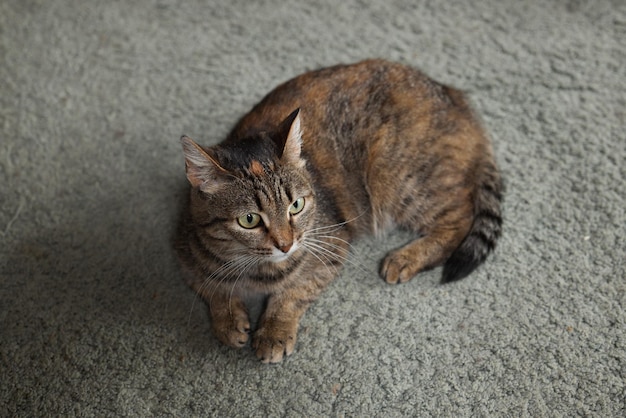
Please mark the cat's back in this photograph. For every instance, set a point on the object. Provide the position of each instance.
(341, 100)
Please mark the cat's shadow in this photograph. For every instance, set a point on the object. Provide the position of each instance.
(105, 265)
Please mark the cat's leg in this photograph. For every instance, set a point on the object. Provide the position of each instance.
(430, 250)
(229, 319)
(276, 335)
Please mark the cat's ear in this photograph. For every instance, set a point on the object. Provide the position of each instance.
(203, 171)
(289, 140)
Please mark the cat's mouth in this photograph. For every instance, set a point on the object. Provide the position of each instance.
(278, 256)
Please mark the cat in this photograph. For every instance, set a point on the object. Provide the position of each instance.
(324, 158)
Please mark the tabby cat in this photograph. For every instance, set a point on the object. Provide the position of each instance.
(323, 158)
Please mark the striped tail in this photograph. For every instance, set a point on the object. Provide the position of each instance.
(485, 230)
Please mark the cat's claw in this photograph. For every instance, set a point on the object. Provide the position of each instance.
(273, 346)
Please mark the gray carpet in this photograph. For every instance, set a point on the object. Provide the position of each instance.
(94, 317)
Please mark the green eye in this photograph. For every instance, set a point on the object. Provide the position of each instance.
(297, 206)
(249, 220)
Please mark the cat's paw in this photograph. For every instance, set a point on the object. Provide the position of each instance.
(398, 268)
(233, 331)
(274, 341)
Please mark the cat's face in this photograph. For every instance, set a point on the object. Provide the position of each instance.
(261, 217)
(253, 200)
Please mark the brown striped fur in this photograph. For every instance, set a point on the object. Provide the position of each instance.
(368, 146)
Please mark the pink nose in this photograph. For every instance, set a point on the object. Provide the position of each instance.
(286, 247)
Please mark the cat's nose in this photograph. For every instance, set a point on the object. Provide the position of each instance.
(285, 247)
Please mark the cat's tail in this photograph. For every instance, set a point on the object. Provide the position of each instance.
(485, 230)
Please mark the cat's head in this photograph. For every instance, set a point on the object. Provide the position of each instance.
(252, 198)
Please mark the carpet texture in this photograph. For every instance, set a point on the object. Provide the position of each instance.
(94, 317)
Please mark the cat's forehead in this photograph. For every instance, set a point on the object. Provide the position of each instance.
(249, 154)
(273, 181)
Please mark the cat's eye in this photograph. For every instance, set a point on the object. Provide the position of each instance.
(249, 220)
(297, 206)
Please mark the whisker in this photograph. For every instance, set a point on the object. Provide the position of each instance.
(208, 281)
(337, 226)
(337, 238)
(252, 260)
(339, 257)
(210, 285)
(241, 263)
(329, 253)
(312, 251)
(332, 245)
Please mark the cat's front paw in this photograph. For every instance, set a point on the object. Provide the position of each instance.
(233, 331)
(274, 341)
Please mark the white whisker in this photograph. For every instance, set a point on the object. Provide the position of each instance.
(335, 227)
(252, 260)
(331, 245)
(342, 257)
(329, 254)
(337, 238)
(312, 251)
(210, 285)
